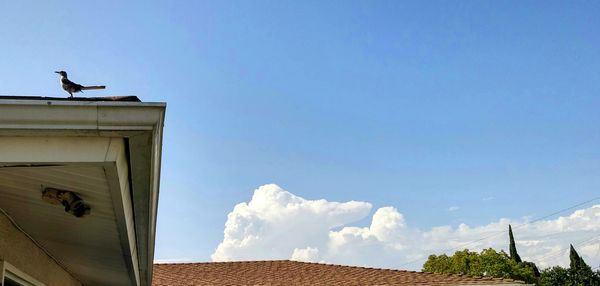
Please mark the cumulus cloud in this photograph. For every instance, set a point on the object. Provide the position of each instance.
(276, 224)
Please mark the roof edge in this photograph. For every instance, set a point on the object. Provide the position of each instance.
(130, 98)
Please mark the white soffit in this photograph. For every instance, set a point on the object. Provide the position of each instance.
(99, 248)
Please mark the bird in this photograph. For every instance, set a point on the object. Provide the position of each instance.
(72, 87)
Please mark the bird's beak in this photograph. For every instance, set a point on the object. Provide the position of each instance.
(57, 72)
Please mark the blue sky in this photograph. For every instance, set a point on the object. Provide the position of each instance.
(487, 107)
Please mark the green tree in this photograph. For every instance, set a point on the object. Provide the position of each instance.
(515, 256)
(488, 263)
(512, 247)
(575, 259)
(578, 274)
(554, 276)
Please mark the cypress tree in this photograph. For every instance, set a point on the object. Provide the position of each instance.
(580, 273)
(512, 247)
(574, 257)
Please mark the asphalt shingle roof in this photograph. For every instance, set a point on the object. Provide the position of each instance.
(293, 273)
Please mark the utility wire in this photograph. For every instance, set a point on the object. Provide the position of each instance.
(494, 234)
(559, 251)
(563, 210)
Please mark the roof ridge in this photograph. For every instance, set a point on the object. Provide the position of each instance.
(292, 261)
(327, 264)
(215, 262)
(220, 273)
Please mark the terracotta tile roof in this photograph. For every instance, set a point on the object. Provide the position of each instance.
(292, 273)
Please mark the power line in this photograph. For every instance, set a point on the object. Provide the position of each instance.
(563, 210)
(559, 251)
(494, 234)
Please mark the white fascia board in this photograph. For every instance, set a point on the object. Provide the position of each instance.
(80, 115)
(139, 123)
(117, 175)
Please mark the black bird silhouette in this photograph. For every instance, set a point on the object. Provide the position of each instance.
(72, 87)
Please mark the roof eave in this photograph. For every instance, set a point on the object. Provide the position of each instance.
(139, 123)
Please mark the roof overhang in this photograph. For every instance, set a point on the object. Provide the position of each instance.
(115, 146)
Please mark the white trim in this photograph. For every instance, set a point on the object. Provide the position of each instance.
(117, 174)
(12, 272)
(72, 117)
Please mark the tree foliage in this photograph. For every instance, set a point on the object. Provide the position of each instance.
(488, 263)
(515, 256)
(559, 276)
(554, 276)
(578, 274)
(512, 247)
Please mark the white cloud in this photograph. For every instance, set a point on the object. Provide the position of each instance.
(453, 208)
(174, 260)
(308, 254)
(276, 224)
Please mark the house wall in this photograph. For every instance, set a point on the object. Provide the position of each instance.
(17, 249)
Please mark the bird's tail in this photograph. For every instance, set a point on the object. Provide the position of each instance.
(93, 87)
